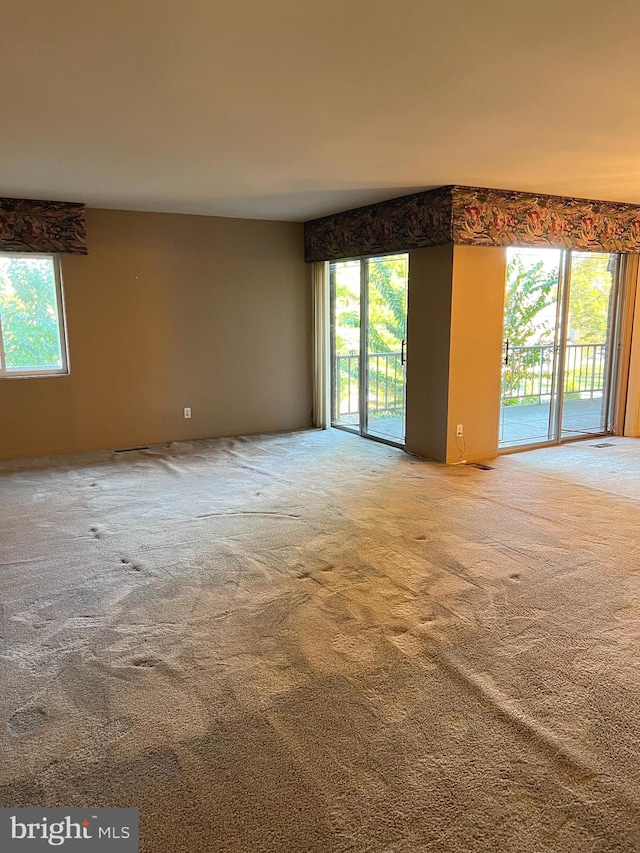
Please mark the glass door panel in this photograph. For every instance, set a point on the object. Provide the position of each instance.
(346, 318)
(368, 345)
(530, 344)
(587, 349)
(386, 285)
(560, 345)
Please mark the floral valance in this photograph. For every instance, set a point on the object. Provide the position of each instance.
(27, 225)
(408, 222)
(478, 217)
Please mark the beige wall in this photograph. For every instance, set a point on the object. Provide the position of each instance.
(456, 304)
(479, 275)
(628, 411)
(169, 311)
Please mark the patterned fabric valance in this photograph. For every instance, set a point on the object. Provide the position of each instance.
(409, 222)
(42, 226)
(477, 217)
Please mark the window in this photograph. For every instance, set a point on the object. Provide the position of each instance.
(32, 339)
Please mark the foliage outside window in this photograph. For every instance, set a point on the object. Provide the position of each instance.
(31, 316)
(530, 322)
(387, 277)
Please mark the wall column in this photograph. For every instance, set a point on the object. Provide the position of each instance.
(456, 304)
(479, 275)
(428, 343)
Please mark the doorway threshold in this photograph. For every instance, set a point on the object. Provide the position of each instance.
(521, 448)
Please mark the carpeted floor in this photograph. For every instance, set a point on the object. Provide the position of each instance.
(316, 643)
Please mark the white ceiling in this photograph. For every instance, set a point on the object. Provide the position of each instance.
(290, 109)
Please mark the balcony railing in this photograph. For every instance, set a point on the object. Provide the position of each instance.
(385, 380)
(528, 374)
(527, 378)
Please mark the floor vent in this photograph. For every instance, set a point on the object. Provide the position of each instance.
(480, 466)
(604, 444)
(130, 449)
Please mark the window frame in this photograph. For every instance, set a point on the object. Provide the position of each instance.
(34, 373)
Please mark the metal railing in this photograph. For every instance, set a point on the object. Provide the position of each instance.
(385, 380)
(528, 372)
(527, 378)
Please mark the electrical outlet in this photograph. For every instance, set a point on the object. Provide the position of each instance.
(187, 412)
(459, 432)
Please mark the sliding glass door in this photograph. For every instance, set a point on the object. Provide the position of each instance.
(529, 350)
(386, 296)
(560, 336)
(368, 345)
(346, 333)
(589, 343)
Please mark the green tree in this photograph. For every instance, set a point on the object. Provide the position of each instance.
(29, 313)
(591, 280)
(529, 321)
(387, 278)
(387, 306)
(531, 289)
(387, 303)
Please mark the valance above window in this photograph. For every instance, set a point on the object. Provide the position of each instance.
(27, 225)
(474, 216)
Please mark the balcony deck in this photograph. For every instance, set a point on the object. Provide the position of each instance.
(389, 428)
(520, 424)
(523, 424)
(527, 385)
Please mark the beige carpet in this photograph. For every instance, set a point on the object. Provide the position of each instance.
(313, 642)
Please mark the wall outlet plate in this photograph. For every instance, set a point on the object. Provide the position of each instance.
(459, 432)
(187, 412)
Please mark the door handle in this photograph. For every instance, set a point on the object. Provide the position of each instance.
(402, 356)
(506, 351)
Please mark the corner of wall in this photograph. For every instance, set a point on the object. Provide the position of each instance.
(476, 344)
(428, 338)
